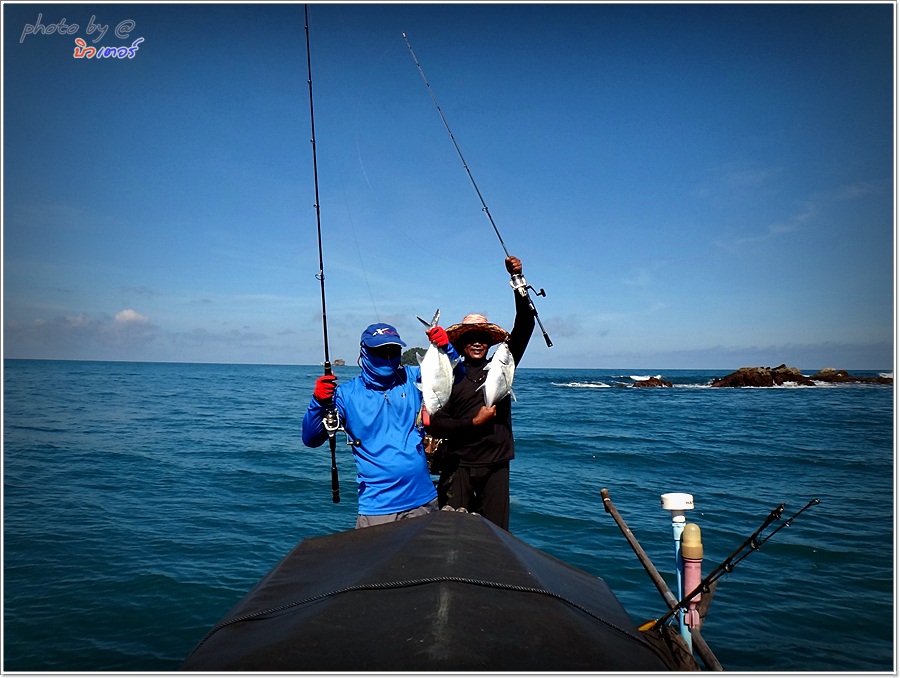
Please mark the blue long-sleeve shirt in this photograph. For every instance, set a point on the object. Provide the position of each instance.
(391, 470)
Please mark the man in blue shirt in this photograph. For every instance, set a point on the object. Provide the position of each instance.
(379, 410)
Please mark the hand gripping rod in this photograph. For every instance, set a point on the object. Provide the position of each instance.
(517, 281)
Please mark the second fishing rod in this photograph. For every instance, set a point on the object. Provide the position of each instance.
(332, 420)
(517, 281)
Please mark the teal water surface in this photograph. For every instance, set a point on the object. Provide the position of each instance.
(141, 501)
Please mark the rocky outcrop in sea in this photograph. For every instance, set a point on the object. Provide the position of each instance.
(652, 382)
(831, 375)
(776, 376)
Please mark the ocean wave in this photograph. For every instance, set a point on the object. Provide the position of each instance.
(582, 384)
(788, 385)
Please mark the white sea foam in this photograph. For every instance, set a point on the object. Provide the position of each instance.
(583, 384)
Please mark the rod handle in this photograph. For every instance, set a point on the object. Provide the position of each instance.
(335, 484)
(330, 418)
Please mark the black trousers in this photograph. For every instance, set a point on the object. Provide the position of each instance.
(478, 489)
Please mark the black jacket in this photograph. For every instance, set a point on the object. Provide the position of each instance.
(491, 442)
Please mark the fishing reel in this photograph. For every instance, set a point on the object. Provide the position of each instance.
(332, 423)
(519, 284)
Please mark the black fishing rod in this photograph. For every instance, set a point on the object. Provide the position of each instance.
(331, 420)
(517, 280)
(751, 544)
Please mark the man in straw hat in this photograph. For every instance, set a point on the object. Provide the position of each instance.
(478, 439)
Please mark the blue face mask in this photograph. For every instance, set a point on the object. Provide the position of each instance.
(380, 372)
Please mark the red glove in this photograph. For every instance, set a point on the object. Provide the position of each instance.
(325, 387)
(438, 337)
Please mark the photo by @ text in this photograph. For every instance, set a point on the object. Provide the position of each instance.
(94, 30)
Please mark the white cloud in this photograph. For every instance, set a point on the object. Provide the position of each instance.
(80, 336)
(131, 316)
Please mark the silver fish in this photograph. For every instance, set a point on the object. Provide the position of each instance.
(437, 373)
(501, 370)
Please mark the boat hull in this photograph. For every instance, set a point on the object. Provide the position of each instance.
(444, 592)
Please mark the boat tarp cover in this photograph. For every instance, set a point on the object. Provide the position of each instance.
(448, 591)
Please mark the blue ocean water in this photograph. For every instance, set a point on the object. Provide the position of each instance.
(141, 501)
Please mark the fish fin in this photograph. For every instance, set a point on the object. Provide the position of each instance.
(513, 395)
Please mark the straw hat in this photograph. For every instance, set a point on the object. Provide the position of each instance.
(475, 322)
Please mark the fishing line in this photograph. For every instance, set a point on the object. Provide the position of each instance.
(362, 264)
(517, 281)
(409, 237)
(331, 420)
(356, 118)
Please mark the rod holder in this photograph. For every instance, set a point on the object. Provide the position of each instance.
(676, 503)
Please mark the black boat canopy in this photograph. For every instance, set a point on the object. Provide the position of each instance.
(444, 592)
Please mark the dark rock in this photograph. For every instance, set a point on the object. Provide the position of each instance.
(833, 376)
(776, 376)
(652, 382)
(763, 377)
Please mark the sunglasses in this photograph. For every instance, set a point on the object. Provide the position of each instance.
(385, 351)
(476, 338)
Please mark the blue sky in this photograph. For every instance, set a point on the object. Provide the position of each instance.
(694, 186)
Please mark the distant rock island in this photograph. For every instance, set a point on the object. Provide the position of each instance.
(776, 376)
(652, 382)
